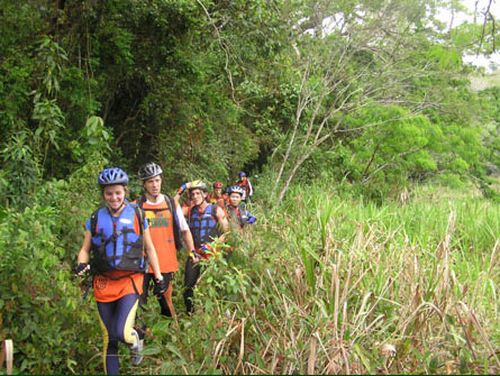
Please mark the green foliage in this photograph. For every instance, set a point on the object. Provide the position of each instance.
(207, 88)
(20, 169)
(325, 266)
(40, 304)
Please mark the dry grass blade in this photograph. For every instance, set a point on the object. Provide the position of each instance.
(484, 337)
(493, 260)
(242, 346)
(220, 346)
(311, 362)
(465, 328)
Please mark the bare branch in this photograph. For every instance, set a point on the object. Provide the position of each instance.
(487, 14)
(224, 47)
(301, 105)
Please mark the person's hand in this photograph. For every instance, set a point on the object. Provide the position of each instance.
(182, 188)
(195, 258)
(160, 286)
(81, 269)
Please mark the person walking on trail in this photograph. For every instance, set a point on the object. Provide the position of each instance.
(238, 216)
(166, 225)
(217, 197)
(113, 252)
(244, 183)
(207, 223)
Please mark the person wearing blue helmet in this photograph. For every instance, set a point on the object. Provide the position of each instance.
(116, 237)
(244, 183)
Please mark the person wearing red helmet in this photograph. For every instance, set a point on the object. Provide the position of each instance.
(217, 197)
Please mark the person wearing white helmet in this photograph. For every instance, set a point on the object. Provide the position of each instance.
(236, 211)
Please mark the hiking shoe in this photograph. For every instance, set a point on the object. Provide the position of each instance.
(136, 349)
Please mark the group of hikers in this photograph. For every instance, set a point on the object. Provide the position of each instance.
(129, 245)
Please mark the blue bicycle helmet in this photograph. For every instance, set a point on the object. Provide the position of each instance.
(242, 174)
(112, 176)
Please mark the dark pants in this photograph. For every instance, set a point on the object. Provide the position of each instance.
(117, 320)
(165, 301)
(191, 275)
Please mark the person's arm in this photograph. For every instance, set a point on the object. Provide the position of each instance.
(221, 217)
(179, 192)
(250, 188)
(186, 234)
(152, 256)
(84, 255)
(183, 226)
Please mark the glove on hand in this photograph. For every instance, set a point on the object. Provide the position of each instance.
(251, 220)
(182, 188)
(160, 287)
(82, 268)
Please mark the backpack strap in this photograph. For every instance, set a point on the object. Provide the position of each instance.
(93, 222)
(138, 212)
(175, 221)
(140, 217)
(141, 200)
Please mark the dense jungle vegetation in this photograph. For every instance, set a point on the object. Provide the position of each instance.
(375, 165)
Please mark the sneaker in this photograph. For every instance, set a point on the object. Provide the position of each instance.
(136, 349)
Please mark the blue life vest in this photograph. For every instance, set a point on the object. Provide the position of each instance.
(115, 243)
(238, 215)
(203, 226)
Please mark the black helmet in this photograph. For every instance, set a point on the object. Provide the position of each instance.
(149, 170)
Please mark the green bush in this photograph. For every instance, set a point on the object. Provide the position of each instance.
(41, 305)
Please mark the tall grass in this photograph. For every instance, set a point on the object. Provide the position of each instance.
(330, 285)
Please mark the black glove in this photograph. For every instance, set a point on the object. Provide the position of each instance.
(82, 268)
(160, 287)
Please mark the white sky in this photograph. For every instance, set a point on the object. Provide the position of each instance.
(462, 17)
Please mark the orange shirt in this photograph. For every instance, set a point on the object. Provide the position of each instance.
(161, 228)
